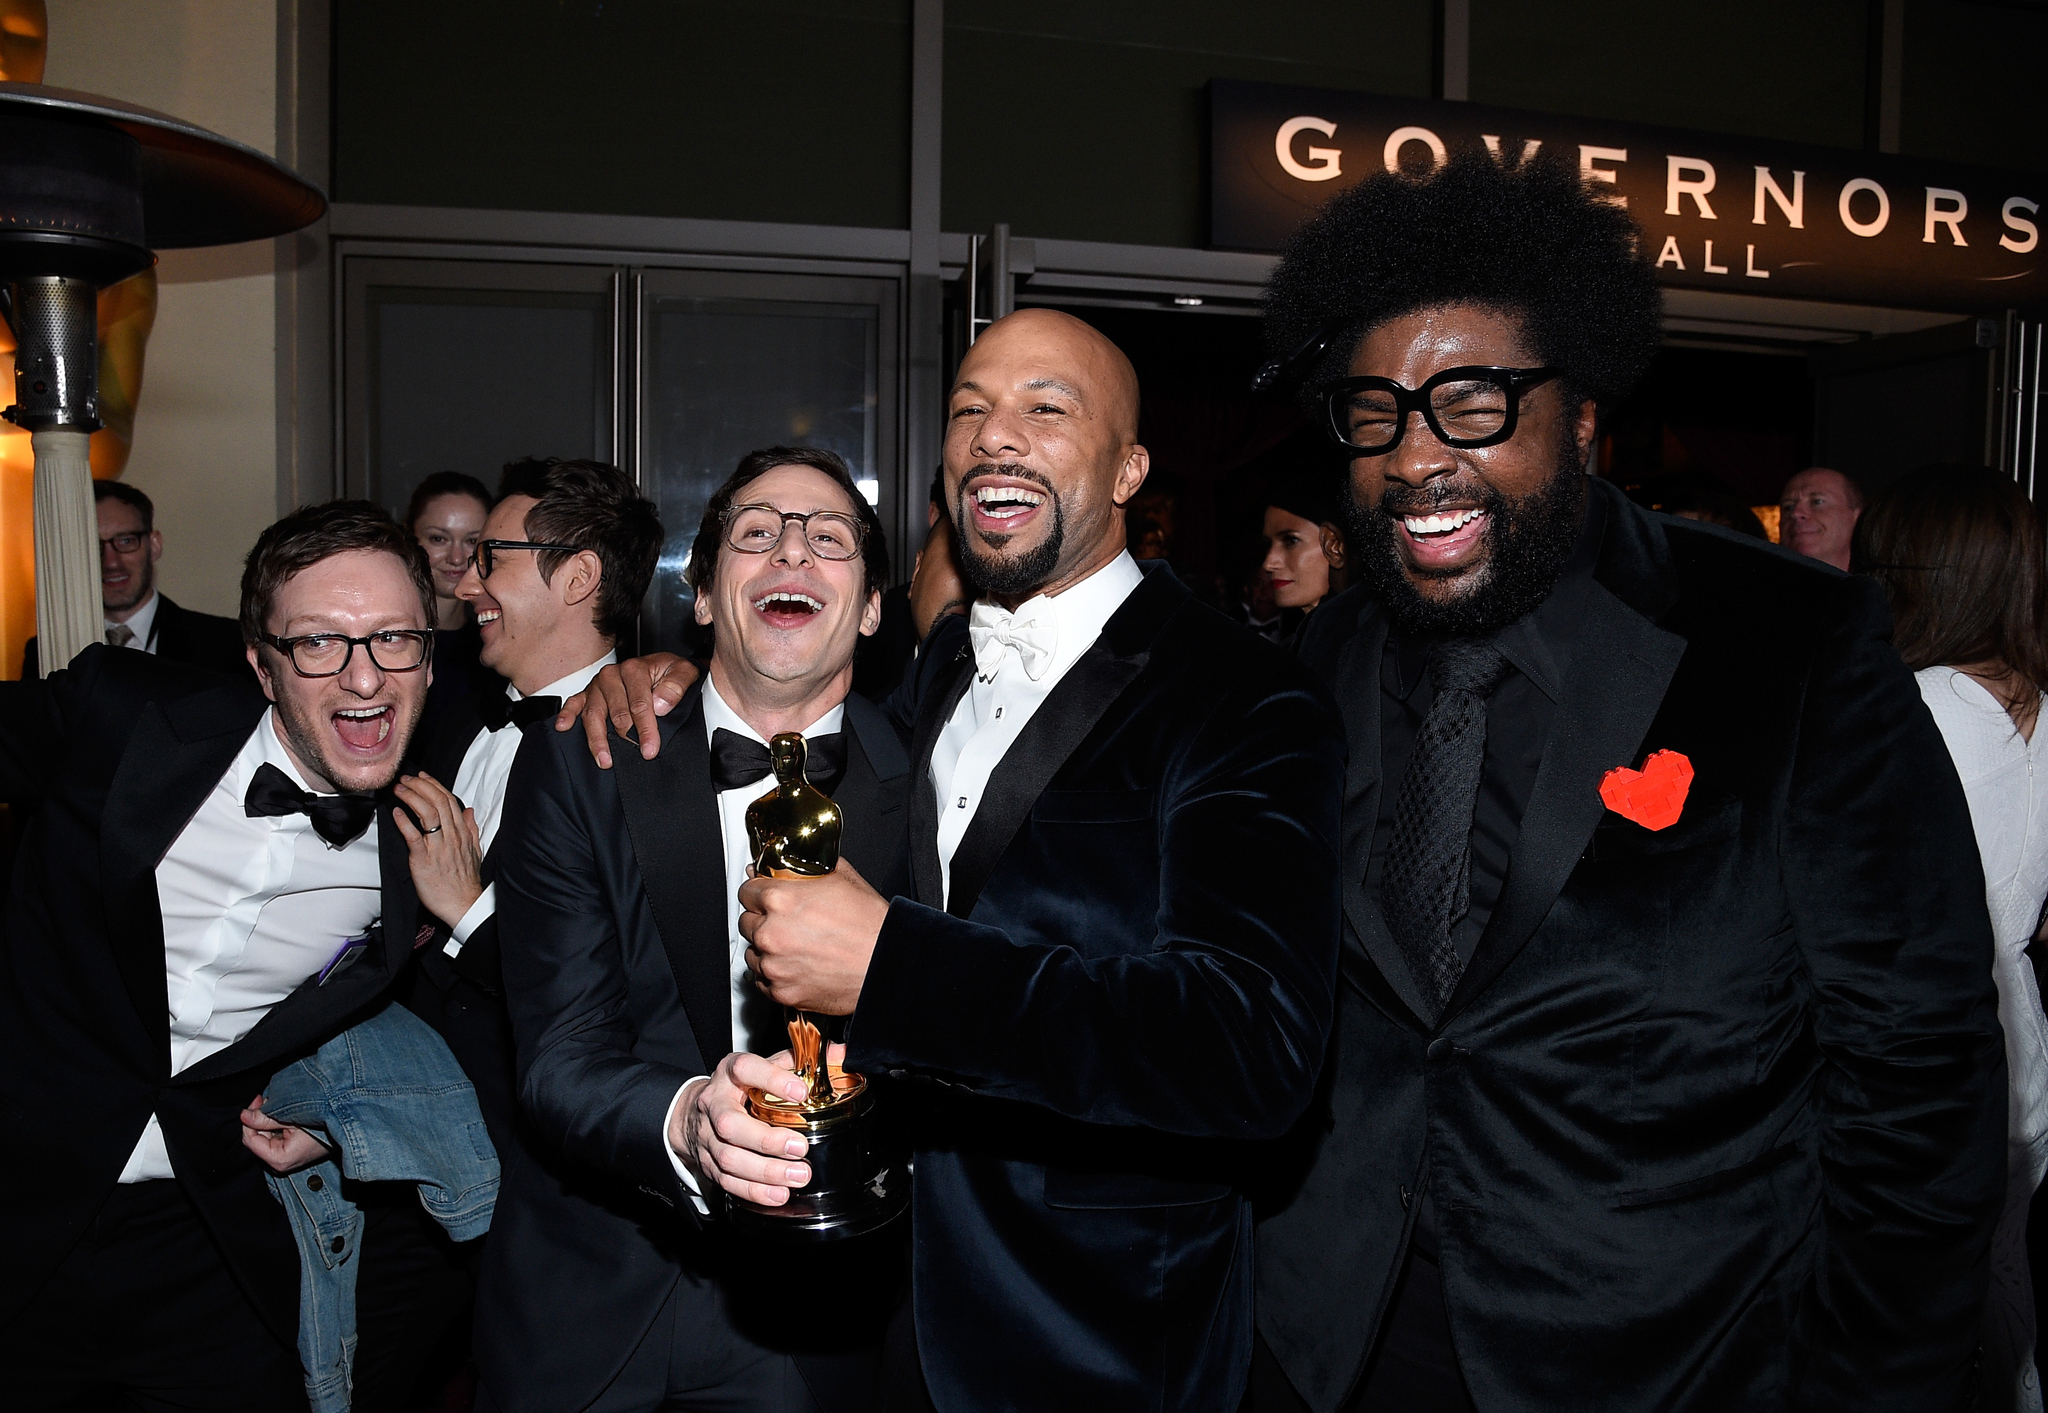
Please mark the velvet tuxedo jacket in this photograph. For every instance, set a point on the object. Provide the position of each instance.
(1714, 1118)
(612, 911)
(183, 635)
(1128, 989)
(117, 752)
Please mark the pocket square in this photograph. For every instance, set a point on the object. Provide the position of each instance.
(1654, 796)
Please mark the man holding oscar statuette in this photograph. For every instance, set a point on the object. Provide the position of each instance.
(617, 1277)
(1113, 974)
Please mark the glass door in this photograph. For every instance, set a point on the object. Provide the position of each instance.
(730, 362)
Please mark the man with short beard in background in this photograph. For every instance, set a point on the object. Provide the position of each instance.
(1667, 1071)
(211, 887)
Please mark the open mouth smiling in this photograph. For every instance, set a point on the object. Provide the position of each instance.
(1442, 537)
(364, 729)
(1002, 507)
(788, 608)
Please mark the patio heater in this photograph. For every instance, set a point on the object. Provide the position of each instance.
(89, 189)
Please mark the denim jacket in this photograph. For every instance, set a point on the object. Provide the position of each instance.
(396, 1107)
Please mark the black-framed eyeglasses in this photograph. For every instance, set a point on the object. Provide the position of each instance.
(127, 542)
(1466, 407)
(756, 529)
(329, 654)
(481, 556)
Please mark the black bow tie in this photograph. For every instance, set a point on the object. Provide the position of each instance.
(500, 711)
(336, 818)
(737, 760)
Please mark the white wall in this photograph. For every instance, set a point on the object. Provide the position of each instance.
(206, 424)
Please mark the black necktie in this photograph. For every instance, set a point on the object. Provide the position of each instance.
(737, 760)
(1427, 885)
(499, 712)
(336, 818)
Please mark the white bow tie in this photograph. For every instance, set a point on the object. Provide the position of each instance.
(1032, 633)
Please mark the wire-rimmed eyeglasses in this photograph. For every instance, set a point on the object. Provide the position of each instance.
(1466, 407)
(329, 654)
(756, 529)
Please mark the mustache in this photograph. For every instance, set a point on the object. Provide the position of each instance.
(1016, 471)
(1401, 499)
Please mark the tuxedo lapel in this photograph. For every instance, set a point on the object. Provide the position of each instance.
(934, 711)
(1356, 682)
(672, 817)
(176, 755)
(1616, 681)
(1059, 725)
(870, 793)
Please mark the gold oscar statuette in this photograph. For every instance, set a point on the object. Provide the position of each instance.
(858, 1181)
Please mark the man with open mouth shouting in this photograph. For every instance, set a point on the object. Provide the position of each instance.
(613, 1282)
(1668, 1071)
(210, 886)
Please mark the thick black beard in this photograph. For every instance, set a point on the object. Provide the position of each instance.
(1527, 543)
(1005, 578)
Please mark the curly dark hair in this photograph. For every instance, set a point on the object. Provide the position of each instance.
(1533, 240)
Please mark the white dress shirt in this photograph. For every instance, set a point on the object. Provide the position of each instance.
(480, 784)
(142, 623)
(757, 1022)
(1005, 694)
(2005, 778)
(252, 908)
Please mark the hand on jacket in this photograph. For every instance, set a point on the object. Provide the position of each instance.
(445, 851)
(712, 1131)
(809, 940)
(625, 695)
(282, 1148)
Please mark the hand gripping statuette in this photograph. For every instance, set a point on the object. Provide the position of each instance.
(859, 1180)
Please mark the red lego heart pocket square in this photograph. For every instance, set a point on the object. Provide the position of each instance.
(1654, 796)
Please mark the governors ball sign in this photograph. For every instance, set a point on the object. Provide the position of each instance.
(1717, 212)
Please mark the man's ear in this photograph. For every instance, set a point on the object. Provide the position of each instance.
(871, 616)
(1585, 431)
(156, 545)
(1137, 464)
(579, 579)
(262, 673)
(701, 606)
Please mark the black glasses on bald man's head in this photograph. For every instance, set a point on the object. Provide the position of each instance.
(1465, 407)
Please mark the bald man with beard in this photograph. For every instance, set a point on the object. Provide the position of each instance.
(1115, 979)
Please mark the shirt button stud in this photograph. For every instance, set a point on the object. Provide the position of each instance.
(963, 802)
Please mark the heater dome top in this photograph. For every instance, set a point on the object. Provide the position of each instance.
(196, 187)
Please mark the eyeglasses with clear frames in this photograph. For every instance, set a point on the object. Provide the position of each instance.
(329, 654)
(757, 529)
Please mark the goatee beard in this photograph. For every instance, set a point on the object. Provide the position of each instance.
(1016, 577)
(1527, 541)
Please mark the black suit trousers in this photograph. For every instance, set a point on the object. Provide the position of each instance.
(143, 1314)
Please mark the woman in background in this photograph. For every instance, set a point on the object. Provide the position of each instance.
(446, 516)
(1304, 548)
(1959, 553)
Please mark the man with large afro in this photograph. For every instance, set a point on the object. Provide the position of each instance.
(1667, 1071)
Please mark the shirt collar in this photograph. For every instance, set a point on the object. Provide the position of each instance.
(719, 716)
(1082, 609)
(566, 687)
(1538, 645)
(142, 622)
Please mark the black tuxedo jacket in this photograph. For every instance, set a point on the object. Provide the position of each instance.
(612, 908)
(196, 639)
(1715, 1117)
(120, 750)
(1128, 989)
